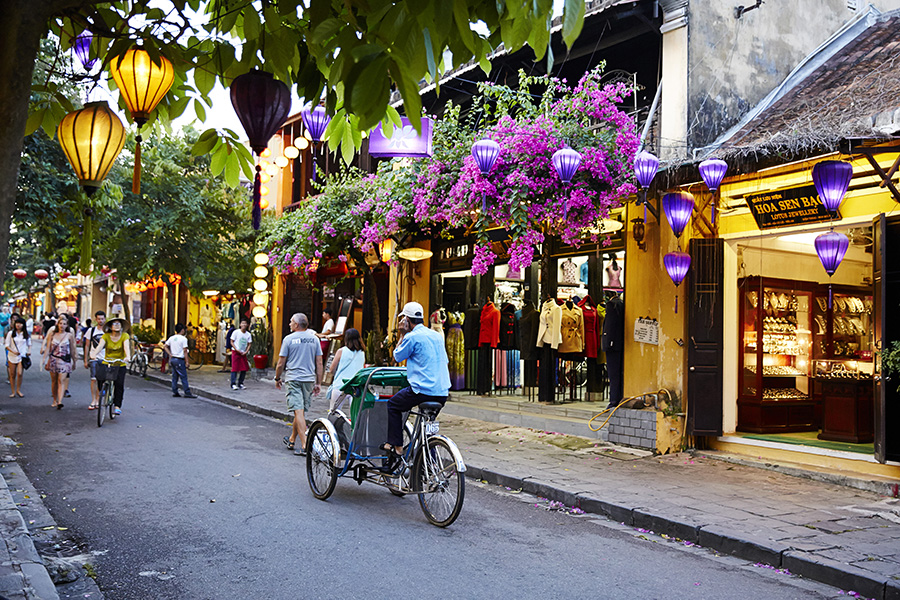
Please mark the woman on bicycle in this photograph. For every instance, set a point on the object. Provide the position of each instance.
(117, 346)
(18, 347)
(60, 346)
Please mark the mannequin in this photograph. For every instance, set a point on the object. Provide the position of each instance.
(613, 343)
(614, 272)
(570, 271)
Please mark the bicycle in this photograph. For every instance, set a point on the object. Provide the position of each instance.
(139, 360)
(107, 392)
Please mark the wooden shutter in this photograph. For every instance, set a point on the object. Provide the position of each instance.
(705, 337)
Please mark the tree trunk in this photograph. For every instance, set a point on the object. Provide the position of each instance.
(24, 24)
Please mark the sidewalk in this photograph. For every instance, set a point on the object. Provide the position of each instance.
(841, 536)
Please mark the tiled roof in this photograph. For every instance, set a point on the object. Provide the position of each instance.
(849, 88)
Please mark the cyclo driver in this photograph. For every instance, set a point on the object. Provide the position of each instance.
(427, 372)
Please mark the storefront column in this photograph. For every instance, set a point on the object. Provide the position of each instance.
(595, 290)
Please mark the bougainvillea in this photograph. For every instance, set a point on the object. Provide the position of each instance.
(444, 193)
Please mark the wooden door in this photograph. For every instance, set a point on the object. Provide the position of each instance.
(886, 279)
(705, 337)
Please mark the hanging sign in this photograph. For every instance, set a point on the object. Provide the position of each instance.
(646, 331)
(788, 206)
(404, 141)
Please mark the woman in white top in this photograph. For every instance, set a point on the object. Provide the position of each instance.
(18, 346)
(348, 360)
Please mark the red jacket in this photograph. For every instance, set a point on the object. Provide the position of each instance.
(591, 331)
(489, 334)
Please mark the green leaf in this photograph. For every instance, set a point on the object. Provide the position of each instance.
(205, 143)
(348, 150)
(199, 110)
(233, 170)
(573, 20)
(204, 79)
(461, 16)
(34, 121)
(429, 55)
(219, 157)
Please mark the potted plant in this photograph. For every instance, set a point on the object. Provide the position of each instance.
(261, 345)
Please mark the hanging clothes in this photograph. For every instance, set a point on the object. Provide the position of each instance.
(508, 333)
(614, 272)
(549, 324)
(472, 327)
(613, 339)
(591, 333)
(571, 329)
(584, 273)
(489, 334)
(456, 350)
(437, 320)
(570, 271)
(527, 325)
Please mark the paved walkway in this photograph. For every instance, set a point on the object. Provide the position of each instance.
(838, 535)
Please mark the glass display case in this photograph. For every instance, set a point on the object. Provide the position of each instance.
(844, 331)
(776, 316)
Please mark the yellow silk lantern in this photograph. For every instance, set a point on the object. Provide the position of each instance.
(92, 139)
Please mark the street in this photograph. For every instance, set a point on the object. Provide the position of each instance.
(190, 499)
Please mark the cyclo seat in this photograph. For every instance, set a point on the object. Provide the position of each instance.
(430, 409)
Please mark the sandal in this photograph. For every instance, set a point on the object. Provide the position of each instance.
(287, 442)
(93, 407)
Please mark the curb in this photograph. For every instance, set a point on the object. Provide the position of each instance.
(707, 535)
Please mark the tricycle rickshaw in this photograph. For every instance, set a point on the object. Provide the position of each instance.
(348, 445)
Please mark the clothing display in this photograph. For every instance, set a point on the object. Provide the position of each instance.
(571, 329)
(584, 273)
(591, 331)
(489, 330)
(527, 325)
(613, 343)
(206, 315)
(456, 350)
(472, 327)
(437, 320)
(569, 271)
(508, 334)
(549, 324)
(614, 272)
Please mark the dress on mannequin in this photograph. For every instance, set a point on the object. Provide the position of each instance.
(490, 326)
(591, 334)
(549, 324)
(456, 350)
(613, 343)
(614, 272)
(570, 271)
(437, 320)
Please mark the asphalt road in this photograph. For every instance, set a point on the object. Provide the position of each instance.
(190, 499)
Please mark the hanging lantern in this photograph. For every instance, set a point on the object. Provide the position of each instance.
(485, 152)
(316, 121)
(91, 139)
(831, 248)
(677, 265)
(261, 258)
(41, 274)
(142, 84)
(82, 48)
(281, 161)
(301, 143)
(678, 207)
(260, 285)
(713, 171)
(291, 152)
(387, 247)
(20, 274)
(260, 271)
(259, 311)
(645, 167)
(174, 278)
(263, 203)
(64, 274)
(832, 178)
(262, 104)
(566, 162)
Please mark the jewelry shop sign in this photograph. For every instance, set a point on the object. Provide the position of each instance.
(646, 331)
(789, 206)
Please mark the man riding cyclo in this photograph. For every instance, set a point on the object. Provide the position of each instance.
(117, 346)
(427, 373)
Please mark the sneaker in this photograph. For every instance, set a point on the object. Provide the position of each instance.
(176, 395)
(67, 394)
(117, 411)
(234, 387)
(189, 396)
(242, 387)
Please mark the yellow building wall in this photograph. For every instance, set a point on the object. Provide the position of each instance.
(409, 292)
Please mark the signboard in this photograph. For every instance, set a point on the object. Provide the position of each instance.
(404, 142)
(646, 331)
(789, 206)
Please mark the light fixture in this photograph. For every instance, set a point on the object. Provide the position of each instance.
(263, 191)
(637, 232)
(265, 153)
(260, 272)
(386, 247)
(832, 178)
(414, 254)
(261, 258)
(301, 143)
(259, 297)
(260, 285)
(272, 170)
(281, 161)
(142, 82)
(678, 207)
(259, 311)
(264, 203)
(645, 167)
(677, 265)
(209, 293)
(20, 274)
(291, 152)
(713, 171)
(316, 121)
(91, 139)
(264, 177)
(82, 49)
(566, 162)
(485, 152)
(607, 226)
(41, 274)
(831, 248)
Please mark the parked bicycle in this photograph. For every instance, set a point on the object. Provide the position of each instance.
(140, 359)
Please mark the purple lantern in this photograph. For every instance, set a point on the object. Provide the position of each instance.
(316, 120)
(677, 265)
(678, 207)
(645, 167)
(832, 178)
(82, 49)
(485, 153)
(831, 248)
(566, 162)
(262, 103)
(713, 171)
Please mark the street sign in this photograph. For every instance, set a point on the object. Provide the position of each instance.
(404, 141)
(646, 331)
(788, 206)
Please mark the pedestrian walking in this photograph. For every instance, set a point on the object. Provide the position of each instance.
(18, 356)
(116, 346)
(176, 349)
(240, 348)
(90, 339)
(60, 352)
(348, 360)
(300, 361)
(426, 371)
(29, 325)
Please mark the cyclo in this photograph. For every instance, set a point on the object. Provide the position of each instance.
(342, 445)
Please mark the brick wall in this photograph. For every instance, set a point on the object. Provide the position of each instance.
(631, 427)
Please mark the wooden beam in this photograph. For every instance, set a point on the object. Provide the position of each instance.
(884, 176)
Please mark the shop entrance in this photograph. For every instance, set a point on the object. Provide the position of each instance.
(805, 372)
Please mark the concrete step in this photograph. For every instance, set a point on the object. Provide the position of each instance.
(521, 418)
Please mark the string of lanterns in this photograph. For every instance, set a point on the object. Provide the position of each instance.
(260, 285)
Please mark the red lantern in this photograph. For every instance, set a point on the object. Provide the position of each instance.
(20, 274)
(174, 278)
(41, 274)
(141, 287)
(64, 274)
(106, 270)
(159, 283)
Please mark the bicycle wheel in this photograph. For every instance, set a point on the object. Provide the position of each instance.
(320, 469)
(105, 392)
(142, 365)
(443, 486)
(196, 360)
(407, 438)
(109, 402)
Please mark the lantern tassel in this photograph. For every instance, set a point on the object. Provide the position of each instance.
(257, 209)
(87, 237)
(829, 296)
(713, 211)
(483, 203)
(136, 181)
(676, 304)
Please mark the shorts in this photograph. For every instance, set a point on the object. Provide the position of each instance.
(93, 365)
(299, 394)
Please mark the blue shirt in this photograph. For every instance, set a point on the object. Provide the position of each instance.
(426, 361)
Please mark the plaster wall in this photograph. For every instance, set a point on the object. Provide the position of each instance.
(409, 292)
(673, 109)
(734, 63)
